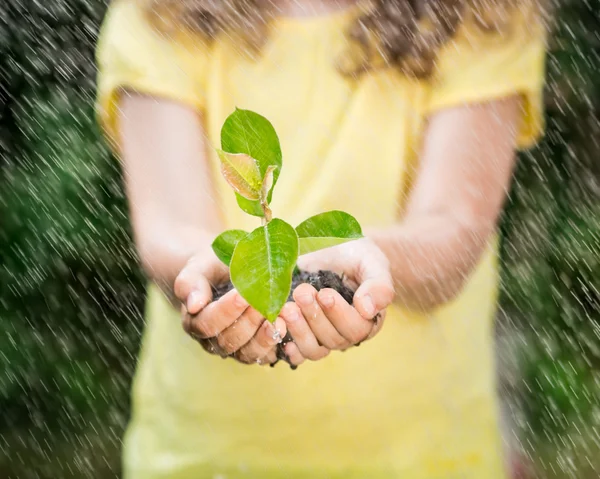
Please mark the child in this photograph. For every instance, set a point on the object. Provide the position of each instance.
(406, 114)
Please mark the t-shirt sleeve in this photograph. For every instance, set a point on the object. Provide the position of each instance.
(479, 66)
(132, 54)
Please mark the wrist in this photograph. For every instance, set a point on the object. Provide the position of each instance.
(403, 249)
(430, 260)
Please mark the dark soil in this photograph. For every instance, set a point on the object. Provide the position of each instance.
(319, 280)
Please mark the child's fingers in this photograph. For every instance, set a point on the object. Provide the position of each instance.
(211, 346)
(346, 320)
(241, 331)
(192, 285)
(373, 296)
(293, 353)
(305, 297)
(378, 324)
(376, 290)
(261, 348)
(269, 359)
(304, 339)
(193, 290)
(219, 315)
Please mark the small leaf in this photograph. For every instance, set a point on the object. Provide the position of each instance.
(326, 230)
(262, 267)
(225, 244)
(267, 183)
(250, 133)
(242, 173)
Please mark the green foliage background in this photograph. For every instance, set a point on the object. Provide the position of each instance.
(71, 293)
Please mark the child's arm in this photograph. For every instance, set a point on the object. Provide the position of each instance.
(175, 219)
(465, 173)
(168, 187)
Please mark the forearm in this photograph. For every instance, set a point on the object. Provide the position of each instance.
(431, 257)
(168, 184)
(465, 170)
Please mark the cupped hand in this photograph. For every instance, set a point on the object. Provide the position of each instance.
(228, 326)
(323, 321)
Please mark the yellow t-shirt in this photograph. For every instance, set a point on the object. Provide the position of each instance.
(416, 402)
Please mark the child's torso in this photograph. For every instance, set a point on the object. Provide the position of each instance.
(415, 402)
(348, 142)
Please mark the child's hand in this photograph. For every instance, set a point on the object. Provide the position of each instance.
(324, 321)
(229, 326)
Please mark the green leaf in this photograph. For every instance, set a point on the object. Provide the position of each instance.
(225, 243)
(242, 173)
(326, 230)
(250, 133)
(262, 266)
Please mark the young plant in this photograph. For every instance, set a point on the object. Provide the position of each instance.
(263, 261)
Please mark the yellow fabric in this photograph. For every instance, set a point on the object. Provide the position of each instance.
(416, 402)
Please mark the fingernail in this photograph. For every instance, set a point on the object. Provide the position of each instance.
(305, 299)
(368, 306)
(272, 332)
(268, 327)
(239, 301)
(292, 314)
(327, 300)
(193, 303)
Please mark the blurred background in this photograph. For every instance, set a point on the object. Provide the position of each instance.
(71, 293)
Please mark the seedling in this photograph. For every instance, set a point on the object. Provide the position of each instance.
(263, 261)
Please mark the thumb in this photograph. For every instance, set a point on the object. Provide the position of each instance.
(376, 291)
(192, 287)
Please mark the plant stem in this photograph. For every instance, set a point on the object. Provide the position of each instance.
(268, 213)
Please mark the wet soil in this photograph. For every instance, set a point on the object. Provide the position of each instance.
(319, 281)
